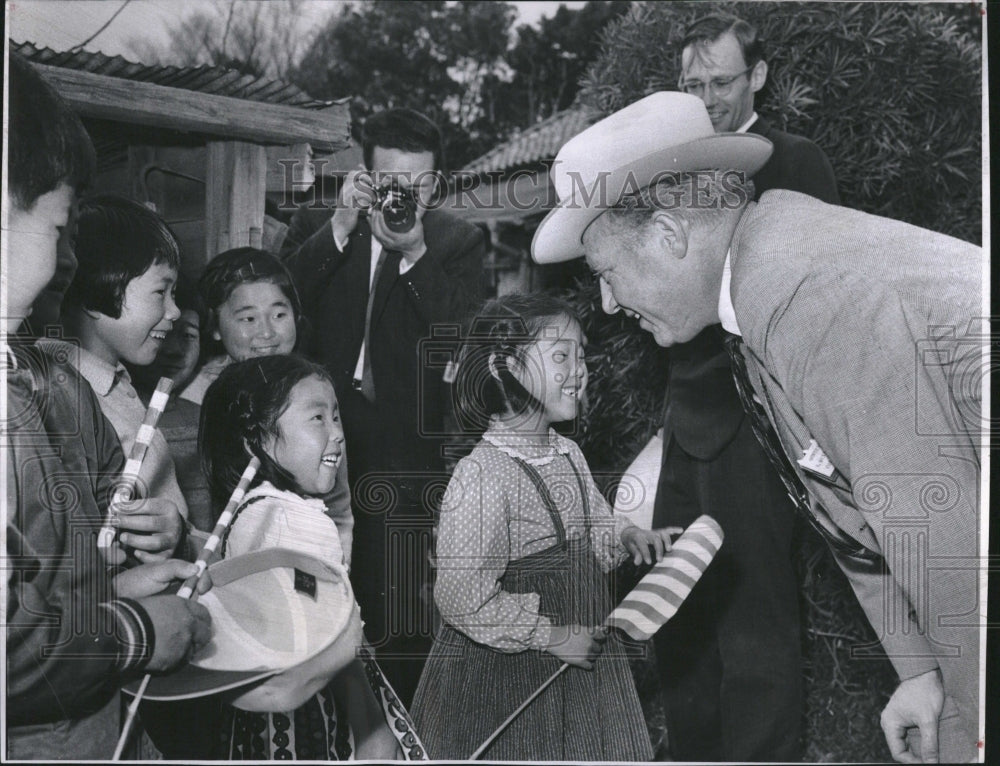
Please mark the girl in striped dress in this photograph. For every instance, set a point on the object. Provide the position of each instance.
(525, 544)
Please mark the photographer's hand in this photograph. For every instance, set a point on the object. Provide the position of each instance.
(409, 243)
(356, 195)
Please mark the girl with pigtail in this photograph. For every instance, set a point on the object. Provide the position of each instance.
(524, 547)
(283, 410)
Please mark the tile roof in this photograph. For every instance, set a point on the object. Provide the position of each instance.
(539, 143)
(214, 80)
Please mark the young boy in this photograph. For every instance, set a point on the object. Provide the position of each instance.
(178, 360)
(120, 307)
(70, 642)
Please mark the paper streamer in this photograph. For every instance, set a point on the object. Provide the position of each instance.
(130, 474)
(220, 527)
(658, 595)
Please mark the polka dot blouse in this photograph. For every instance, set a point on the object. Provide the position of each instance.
(492, 514)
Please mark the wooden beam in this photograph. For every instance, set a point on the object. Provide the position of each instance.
(234, 201)
(144, 103)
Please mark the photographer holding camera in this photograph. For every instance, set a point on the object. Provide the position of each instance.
(374, 280)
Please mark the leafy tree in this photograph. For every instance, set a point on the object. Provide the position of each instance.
(462, 64)
(548, 61)
(427, 55)
(890, 91)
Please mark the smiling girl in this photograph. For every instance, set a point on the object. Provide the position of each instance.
(283, 410)
(253, 311)
(525, 544)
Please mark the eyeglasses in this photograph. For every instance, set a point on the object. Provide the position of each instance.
(720, 85)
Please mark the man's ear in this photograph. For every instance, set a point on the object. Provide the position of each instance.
(758, 75)
(671, 232)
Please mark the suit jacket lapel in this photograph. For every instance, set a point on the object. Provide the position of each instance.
(386, 280)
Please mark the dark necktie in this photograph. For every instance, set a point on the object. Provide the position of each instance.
(769, 441)
(367, 381)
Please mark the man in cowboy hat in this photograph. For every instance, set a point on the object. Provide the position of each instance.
(730, 660)
(862, 340)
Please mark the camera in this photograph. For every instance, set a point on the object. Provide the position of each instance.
(398, 206)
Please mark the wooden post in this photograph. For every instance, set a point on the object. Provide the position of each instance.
(234, 198)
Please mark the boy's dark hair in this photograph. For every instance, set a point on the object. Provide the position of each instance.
(117, 240)
(710, 28)
(240, 412)
(48, 144)
(188, 298)
(502, 331)
(403, 129)
(239, 266)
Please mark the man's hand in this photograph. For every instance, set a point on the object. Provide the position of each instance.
(917, 701)
(639, 542)
(409, 243)
(152, 526)
(150, 579)
(181, 627)
(356, 195)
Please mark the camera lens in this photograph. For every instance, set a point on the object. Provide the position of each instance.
(399, 210)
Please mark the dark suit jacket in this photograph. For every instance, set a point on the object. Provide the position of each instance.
(703, 410)
(440, 289)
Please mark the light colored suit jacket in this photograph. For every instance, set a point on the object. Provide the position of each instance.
(866, 335)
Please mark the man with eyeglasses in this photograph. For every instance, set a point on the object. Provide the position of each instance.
(730, 661)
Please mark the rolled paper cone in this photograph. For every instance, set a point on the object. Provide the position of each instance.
(220, 527)
(130, 474)
(658, 595)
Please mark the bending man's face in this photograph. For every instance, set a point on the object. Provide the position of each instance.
(649, 275)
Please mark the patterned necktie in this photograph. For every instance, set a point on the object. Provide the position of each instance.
(769, 441)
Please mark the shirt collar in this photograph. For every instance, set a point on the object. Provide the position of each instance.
(727, 312)
(101, 376)
(511, 443)
(746, 125)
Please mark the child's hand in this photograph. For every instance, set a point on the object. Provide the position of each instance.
(638, 542)
(577, 645)
(150, 579)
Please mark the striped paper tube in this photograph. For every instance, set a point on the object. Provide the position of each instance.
(220, 527)
(187, 590)
(658, 595)
(130, 474)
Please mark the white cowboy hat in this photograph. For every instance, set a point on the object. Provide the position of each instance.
(665, 132)
(281, 620)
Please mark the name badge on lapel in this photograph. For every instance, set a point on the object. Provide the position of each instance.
(815, 462)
